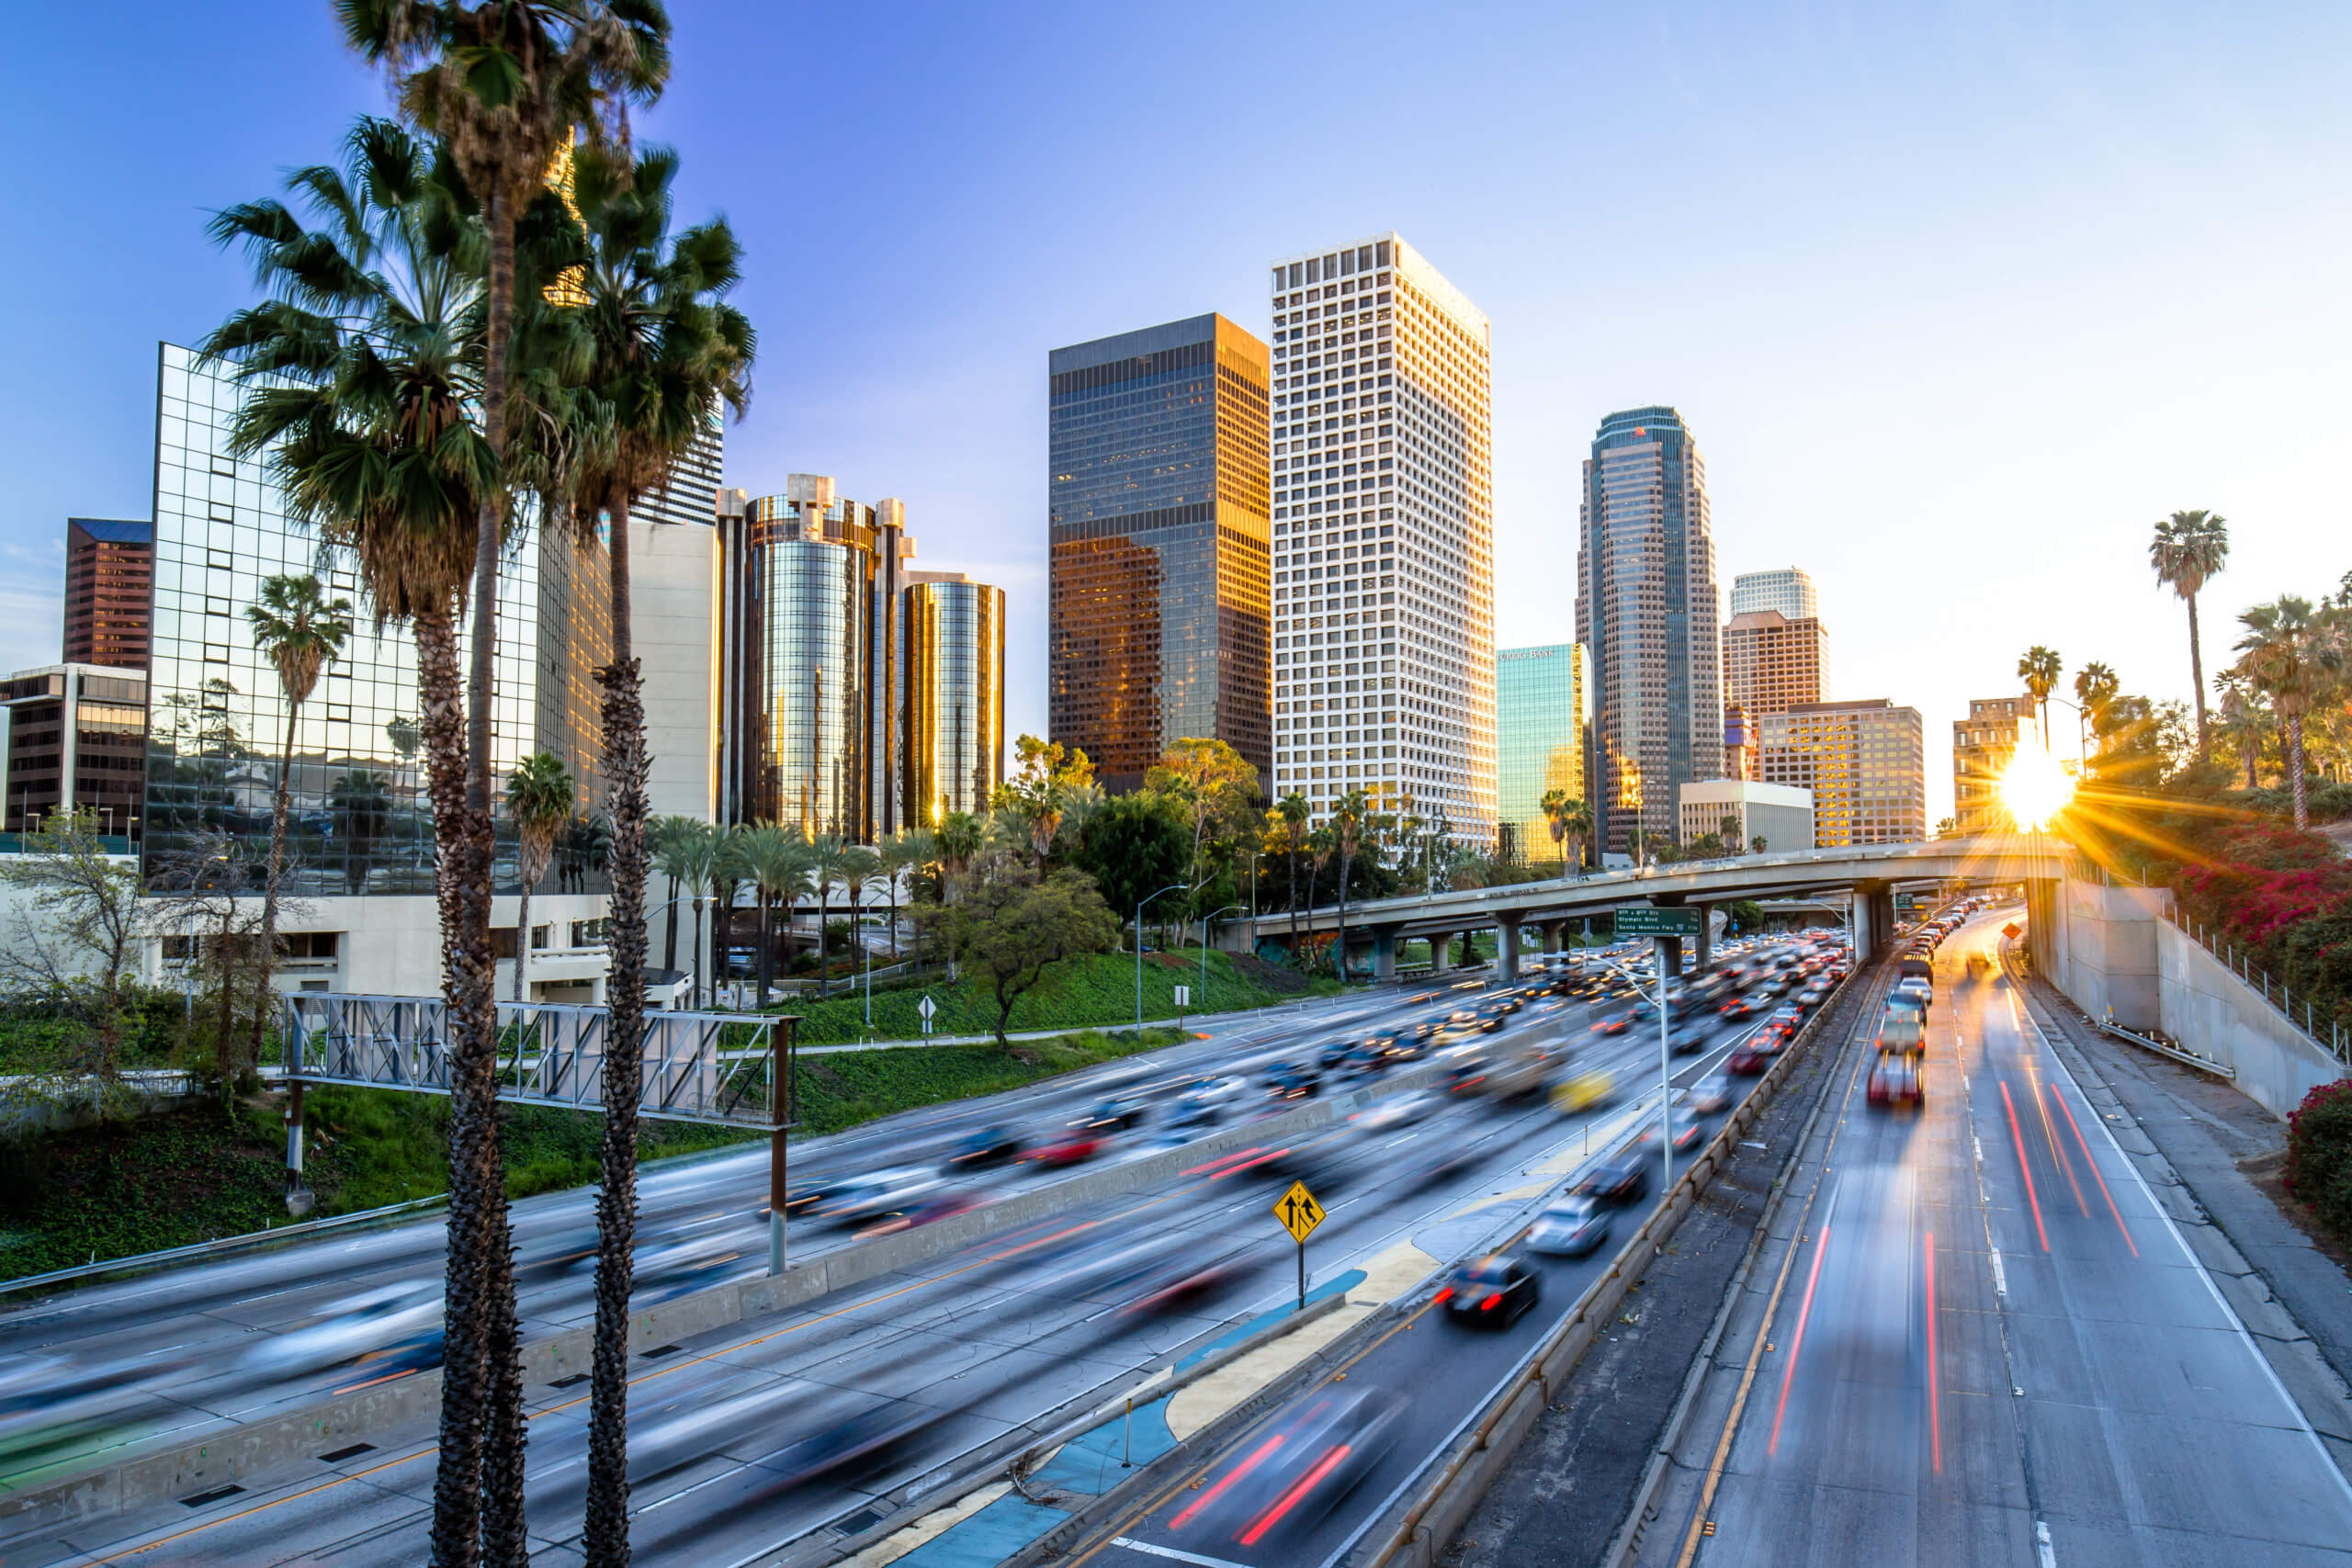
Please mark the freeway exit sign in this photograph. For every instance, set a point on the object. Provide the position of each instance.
(1652, 920)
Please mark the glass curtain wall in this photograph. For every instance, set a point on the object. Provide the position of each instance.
(954, 729)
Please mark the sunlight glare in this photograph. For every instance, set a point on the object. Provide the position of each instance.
(2035, 787)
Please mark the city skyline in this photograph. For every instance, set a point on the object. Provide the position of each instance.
(1824, 390)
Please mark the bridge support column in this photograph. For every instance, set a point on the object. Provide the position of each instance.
(1552, 929)
(1669, 957)
(1705, 954)
(1384, 953)
(1506, 948)
(1437, 954)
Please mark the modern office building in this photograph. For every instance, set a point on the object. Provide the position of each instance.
(76, 735)
(1864, 762)
(109, 579)
(1778, 814)
(1773, 662)
(1787, 589)
(360, 847)
(1157, 505)
(676, 561)
(1384, 536)
(952, 706)
(1646, 606)
(1539, 743)
(1743, 743)
(1981, 746)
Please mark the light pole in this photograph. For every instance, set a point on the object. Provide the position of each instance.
(681, 899)
(1172, 887)
(1665, 1060)
(1205, 955)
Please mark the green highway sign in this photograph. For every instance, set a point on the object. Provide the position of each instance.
(1654, 919)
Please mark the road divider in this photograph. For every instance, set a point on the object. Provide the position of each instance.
(180, 1468)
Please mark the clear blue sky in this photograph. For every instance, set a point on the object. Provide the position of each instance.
(1958, 298)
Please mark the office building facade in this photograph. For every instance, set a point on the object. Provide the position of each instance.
(1743, 743)
(1865, 762)
(1741, 811)
(1773, 662)
(1786, 590)
(1384, 536)
(1156, 538)
(1539, 743)
(1981, 747)
(78, 735)
(362, 821)
(677, 563)
(1645, 607)
(109, 581)
(952, 703)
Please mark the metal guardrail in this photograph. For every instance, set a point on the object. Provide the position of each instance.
(2336, 1042)
(2166, 1048)
(698, 1066)
(220, 1247)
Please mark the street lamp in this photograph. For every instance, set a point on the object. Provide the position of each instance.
(1172, 887)
(1205, 955)
(681, 899)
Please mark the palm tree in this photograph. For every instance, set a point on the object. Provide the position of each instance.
(1294, 814)
(689, 859)
(539, 799)
(860, 866)
(2291, 653)
(361, 799)
(961, 836)
(829, 862)
(674, 842)
(301, 631)
(2038, 668)
(908, 850)
(1318, 844)
(775, 861)
(2097, 687)
(1569, 819)
(2188, 550)
(2245, 721)
(1346, 831)
(362, 367)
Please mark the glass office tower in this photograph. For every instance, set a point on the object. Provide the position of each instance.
(1646, 609)
(952, 665)
(110, 582)
(1539, 742)
(1158, 540)
(217, 719)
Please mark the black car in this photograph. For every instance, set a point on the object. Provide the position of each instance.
(1117, 1112)
(1623, 1178)
(1293, 1080)
(1493, 1291)
(989, 1146)
(1334, 1052)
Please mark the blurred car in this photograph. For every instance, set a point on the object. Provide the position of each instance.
(1894, 1080)
(946, 1206)
(989, 1146)
(374, 1321)
(1072, 1146)
(1583, 1090)
(1569, 1228)
(1287, 1481)
(1689, 1036)
(1292, 1080)
(1746, 1061)
(1689, 1130)
(1494, 1292)
(1709, 1095)
(1742, 1006)
(1222, 1089)
(868, 1198)
(1334, 1052)
(1397, 1111)
(1117, 1112)
(1621, 1177)
(1612, 1024)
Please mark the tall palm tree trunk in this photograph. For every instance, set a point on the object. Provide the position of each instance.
(279, 809)
(1339, 947)
(824, 907)
(2295, 767)
(766, 963)
(2197, 674)
(605, 1534)
(523, 938)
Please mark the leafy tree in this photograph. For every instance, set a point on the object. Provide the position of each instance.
(1292, 814)
(1207, 781)
(540, 799)
(300, 631)
(1137, 845)
(75, 948)
(2188, 550)
(1009, 928)
(1038, 792)
(2038, 667)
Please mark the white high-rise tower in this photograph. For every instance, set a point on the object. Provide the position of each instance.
(1383, 537)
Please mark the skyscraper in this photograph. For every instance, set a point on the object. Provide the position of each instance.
(952, 669)
(1771, 662)
(1539, 742)
(1645, 607)
(1384, 536)
(1787, 589)
(1865, 763)
(109, 575)
(1981, 747)
(1157, 539)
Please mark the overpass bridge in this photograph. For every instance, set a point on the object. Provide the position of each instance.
(1865, 876)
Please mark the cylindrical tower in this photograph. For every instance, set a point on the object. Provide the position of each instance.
(809, 566)
(953, 669)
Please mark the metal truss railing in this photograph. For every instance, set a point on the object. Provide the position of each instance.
(698, 1066)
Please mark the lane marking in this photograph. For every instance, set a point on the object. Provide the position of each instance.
(2000, 1280)
(1796, 1346)
(1170, 1552)
(2042, 1549)
(1935, 1406)
(2020, 1139)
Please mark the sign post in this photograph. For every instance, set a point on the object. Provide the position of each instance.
(1662, 922)
(1299, 1215)
(929, 1009)
(1183, 1000)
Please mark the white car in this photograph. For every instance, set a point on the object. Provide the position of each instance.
(1398, 1110)
(374, 1320)
(884, 1192)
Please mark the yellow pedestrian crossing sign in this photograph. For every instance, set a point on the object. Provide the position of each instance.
(1299, 1212)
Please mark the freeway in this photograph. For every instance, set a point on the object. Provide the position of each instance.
(756, 1436)
(1992, 1346)
(206, 1344)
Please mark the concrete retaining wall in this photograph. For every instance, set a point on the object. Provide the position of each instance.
(2216, 1014)
(274, 1441)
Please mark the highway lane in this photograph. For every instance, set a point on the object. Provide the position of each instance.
(934, 1360)
(190, 1334)
(1993, 1347)
(1432, 1372)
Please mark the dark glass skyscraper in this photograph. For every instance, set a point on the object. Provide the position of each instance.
(1159, 569)
(1645, 609)
(110, 578)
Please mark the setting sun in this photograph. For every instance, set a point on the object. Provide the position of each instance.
(2035, 787)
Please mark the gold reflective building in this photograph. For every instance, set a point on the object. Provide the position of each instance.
(952, 665)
